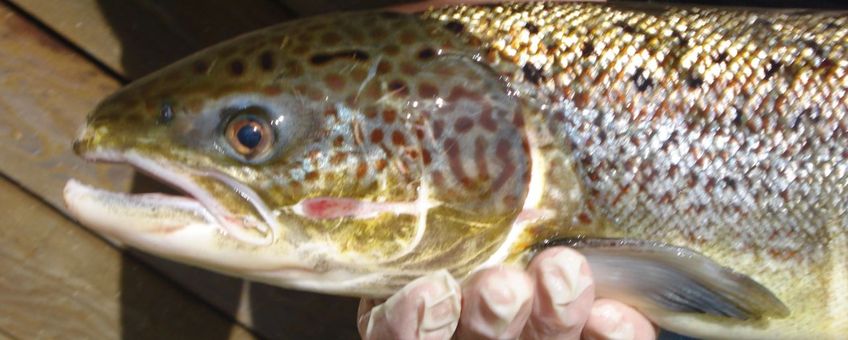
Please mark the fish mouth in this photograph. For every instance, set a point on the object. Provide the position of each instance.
(165, 213)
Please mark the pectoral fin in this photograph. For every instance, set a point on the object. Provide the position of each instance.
(654, 275)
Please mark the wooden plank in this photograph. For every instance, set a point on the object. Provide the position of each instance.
(52, 287)
(135, 37)
(45, 91)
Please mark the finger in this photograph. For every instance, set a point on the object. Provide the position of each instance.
(427, 308)
(611, 319)
(564, 295)
(496, 303)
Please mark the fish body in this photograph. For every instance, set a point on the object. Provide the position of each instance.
(696, 156)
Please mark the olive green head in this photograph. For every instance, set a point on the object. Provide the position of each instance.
(362, 143)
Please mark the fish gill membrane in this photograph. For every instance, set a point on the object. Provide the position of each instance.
(695, 156)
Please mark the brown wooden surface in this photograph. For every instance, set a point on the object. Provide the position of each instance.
(135, 37)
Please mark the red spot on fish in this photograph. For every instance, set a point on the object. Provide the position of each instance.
(389, 115)
(459, 92)
(384, 67)
(425, 156)
(380, 164)
(370, 112)
(326, 208)
(338, 158)
(376, 136)
(502, 150)
(451, 147)
(398, 139)
(480, 146)
(486, 120)
(361, 170)
(584, 218)
(311, 176)
(335, 82)
(518, 119)
(427, 91)
(463, 124)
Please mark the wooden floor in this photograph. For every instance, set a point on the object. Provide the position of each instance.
(59, 280)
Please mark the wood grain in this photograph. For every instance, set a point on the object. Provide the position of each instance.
(45, 92)
(135, 37)
(62, 282)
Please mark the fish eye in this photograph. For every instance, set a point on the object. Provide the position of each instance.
(249, 136)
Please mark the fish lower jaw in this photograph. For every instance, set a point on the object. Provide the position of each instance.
(242, 228)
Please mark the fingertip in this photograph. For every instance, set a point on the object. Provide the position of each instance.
(427, 308)
(496, 303)
(564, 294)
(610, 319)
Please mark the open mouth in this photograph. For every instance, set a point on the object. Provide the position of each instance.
(168, 213)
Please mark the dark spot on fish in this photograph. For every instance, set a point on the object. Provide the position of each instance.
(532, 73)
(681, 40)
(721, 57)
(641, 81)
(199, 67)
(831, 26)
(694, 81)
(813, 113)
(399, 87)
(817, 49)
(533, 29)
(626, 27)
(826, 63)
(729, 182)
(587, 49)
(237, 67)
(797, 122)
(763, 22)
(166, 113)
(455, 26)
(426, 53)
(771, 68)
(739, 119)
(323, 58)
(266, 60)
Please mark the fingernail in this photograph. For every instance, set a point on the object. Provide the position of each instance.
(612, 324)
(503, 300)
(441, 307)
(562, 276)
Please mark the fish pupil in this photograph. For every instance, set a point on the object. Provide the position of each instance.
(249, 135)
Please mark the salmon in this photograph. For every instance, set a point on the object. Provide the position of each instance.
(696, 156)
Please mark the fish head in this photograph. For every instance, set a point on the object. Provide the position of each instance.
(344, 154)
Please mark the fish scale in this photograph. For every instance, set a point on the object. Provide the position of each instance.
(696, 156)
(720, 130)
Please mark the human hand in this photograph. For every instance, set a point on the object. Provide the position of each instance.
(553, 299)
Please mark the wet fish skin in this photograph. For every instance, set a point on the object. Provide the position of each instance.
(718, 135)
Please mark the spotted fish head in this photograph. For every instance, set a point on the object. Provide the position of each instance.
(344, 154)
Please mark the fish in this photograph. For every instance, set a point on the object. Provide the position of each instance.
(695, 155)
